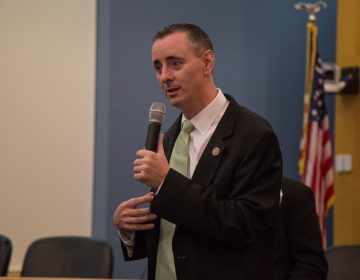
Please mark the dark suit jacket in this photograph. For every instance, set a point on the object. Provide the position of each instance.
(225, 214)
(299, 253)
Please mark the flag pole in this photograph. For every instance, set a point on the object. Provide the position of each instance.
(311, 9)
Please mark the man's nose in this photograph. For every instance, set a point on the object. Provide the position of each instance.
(166, 74)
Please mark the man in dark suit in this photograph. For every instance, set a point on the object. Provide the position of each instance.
(299, 254)
(218, 216)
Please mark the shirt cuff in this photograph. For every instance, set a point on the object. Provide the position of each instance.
(158, 189)
(128, 239)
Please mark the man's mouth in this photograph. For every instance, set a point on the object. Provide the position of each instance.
(172, 90)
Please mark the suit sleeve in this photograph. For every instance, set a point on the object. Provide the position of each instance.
(139, 250)
(239, 205)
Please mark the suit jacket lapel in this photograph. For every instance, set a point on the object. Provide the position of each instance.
(214, 150)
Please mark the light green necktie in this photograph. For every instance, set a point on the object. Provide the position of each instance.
(165, 265)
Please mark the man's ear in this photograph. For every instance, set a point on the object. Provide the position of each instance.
(208, 58)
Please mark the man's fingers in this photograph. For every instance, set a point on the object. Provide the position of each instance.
(125, 208)
(139, 212)
(143, 153)
(137, 162)
(134, 202)
(140, 220)
(138, 216)
(137, 227)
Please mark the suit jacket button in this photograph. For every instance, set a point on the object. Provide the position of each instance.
(215, 151)
(181, 257)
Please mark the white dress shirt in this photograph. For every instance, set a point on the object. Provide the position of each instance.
(205, 123)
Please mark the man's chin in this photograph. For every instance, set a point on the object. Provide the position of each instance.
(174, 101)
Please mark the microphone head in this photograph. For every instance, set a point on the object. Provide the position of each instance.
(157, 112)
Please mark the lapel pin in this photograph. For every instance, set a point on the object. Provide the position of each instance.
(215, 151)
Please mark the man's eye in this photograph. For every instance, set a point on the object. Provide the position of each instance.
(176, 64)
(157, 68)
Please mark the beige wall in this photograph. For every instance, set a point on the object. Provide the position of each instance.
(47, 99)
(347, 128)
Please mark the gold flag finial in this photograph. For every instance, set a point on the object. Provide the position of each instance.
(311, 8)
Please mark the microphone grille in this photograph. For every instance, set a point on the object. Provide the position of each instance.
(157, 112)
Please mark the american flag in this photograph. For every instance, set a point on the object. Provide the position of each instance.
(316, 161)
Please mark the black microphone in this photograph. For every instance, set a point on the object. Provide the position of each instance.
(156, 116)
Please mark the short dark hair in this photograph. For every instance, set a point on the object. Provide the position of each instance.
(198, 37)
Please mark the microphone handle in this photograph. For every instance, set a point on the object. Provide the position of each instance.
(152, 136)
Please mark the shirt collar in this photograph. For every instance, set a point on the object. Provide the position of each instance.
(203, 120)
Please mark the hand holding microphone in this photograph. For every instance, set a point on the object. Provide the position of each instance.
(129, 216)
(151, 165)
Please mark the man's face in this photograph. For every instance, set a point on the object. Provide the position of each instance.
(179, 70)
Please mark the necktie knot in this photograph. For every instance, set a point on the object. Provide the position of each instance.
(187, 126)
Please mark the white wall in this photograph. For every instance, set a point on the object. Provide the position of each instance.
(47, 101)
